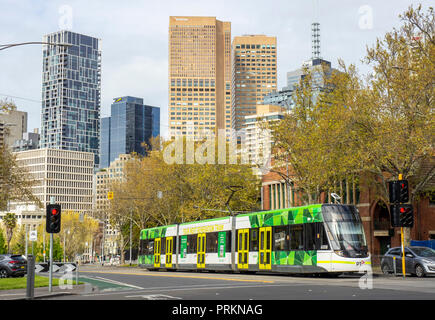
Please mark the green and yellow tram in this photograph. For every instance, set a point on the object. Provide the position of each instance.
(321, 238)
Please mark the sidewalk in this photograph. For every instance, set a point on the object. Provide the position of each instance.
(42, 292)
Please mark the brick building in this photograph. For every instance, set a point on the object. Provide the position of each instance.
(276, 194)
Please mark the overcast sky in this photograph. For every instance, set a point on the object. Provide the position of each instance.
(134, 38)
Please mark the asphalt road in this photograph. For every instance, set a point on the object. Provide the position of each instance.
(109, 283)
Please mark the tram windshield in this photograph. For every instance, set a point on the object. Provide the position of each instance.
(345, 230)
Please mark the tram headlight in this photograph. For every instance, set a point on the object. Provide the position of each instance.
(339, 252)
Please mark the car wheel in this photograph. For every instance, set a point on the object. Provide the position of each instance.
(385, 269)
(419, 271)
(3, 273)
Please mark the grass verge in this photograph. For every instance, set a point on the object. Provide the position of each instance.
(21, 282)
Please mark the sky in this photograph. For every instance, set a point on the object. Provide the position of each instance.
(134, 37)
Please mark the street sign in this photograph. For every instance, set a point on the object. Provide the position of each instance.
(33, 235)
(110, 195)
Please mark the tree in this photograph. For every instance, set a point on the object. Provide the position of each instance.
(154, 192)
(3, 248)
(10, 222)
(371, 127)
(15, 183)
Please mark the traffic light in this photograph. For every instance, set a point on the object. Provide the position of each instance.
(399, 192)
(402, 215)
(52, 224)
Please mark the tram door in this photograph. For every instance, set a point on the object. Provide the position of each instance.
(157, 250)
(265, 248)
(200, 251)
(169, 249)
(243, 248)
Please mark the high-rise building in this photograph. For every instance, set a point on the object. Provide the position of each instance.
(63, 174)
(199, 75)
(71, 88)
(258, 144)
(14, 123)
(130, 125)
(104, 178)
(283, 98)
(255, 74)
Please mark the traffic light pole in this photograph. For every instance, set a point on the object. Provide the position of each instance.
(50, 276)
(403, 242)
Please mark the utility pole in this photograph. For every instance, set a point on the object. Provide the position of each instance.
(131, 235)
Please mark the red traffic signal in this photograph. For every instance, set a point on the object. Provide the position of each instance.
(53, 221)
(402, 215)
(399, 191)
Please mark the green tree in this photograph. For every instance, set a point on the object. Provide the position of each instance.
(3, 244)
(10, 222)
(154, 192)
(15, 182)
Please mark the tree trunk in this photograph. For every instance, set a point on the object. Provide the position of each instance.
(122, 250)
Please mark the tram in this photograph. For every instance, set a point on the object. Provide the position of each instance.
(320, 238)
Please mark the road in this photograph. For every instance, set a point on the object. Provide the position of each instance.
(111, 283)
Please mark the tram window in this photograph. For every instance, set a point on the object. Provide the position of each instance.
(151, 247)
(191, 243)
(281, 238)
(321, 237)
(228, 244)
(142, 247)
(310, 236)
(211, 242)
(163, 245)
(296, 239)
(253, 237)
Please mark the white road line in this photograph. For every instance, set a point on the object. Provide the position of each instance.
(192, 288)
(119, 283)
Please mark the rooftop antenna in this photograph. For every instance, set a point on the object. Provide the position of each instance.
(315, 32)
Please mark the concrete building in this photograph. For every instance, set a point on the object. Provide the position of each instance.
(14, 124)
(258, 142)
(63, 174)
(199, 75)
(130, 125)
(255, 74)
(71, 89)
(282, 98)
(104, 178)
(29, 141)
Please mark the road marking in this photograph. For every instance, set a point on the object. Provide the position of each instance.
(120, 283)
(181, 276)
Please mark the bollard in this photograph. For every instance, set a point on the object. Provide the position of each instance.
(30, 277)
(394, 265)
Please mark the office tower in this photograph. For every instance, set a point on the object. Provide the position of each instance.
(258, 144)
(63, 174)
(255, 74)
(199, 75)
(104, 178)
(71, 88)
(130, 125)
(14, 123)
(283, 98)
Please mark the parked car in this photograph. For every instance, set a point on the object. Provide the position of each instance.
(12, 265)
(419, 261)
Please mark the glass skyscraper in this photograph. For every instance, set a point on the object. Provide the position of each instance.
(131, 123)
(71, 93)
